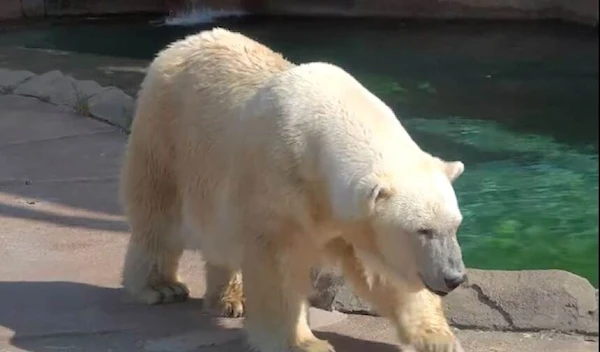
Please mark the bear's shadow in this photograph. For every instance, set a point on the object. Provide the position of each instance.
(50, 316)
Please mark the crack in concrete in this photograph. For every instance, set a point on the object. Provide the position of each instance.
(122, 129)
(70, 334)
(28, 182)
(103, 130)
(485, 299)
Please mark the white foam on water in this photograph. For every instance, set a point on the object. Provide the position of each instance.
(204, 15)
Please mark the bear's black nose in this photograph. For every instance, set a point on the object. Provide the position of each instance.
(455, 281)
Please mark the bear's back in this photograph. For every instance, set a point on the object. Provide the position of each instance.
(208, 75)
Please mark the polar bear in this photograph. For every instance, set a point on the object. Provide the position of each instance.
(271, 168)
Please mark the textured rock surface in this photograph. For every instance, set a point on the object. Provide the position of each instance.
(112, 105)
(531, 300)
(508, 300)
(52, 86)
(332, 293)
(10, 79)
(86, 89)
(88, 97)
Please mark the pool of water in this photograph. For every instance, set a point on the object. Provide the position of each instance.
(517, 103)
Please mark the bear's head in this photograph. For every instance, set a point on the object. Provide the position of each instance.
(413, 217)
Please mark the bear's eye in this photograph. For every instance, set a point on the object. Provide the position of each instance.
(425, 232)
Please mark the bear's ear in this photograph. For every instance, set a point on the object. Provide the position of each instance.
(353, 200)
(377, 194)
(453, 169)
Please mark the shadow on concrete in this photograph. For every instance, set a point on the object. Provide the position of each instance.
(345, 343)
(99, 196)
(63, 220)
(74, 316)
(46, 316)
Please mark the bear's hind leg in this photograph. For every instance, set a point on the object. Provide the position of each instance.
(155, 245)
(150, 270)
(224, 291)
(276, 284)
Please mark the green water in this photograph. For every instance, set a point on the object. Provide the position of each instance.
(517, 103)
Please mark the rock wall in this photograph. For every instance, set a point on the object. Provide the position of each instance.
(581, 11)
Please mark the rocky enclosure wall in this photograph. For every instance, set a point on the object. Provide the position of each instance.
(581, 11)
(528, 300)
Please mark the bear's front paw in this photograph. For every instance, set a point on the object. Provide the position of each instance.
(314, 345)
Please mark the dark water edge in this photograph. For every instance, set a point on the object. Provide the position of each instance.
(516, 101)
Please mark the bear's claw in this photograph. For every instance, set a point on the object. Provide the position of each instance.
(232, 308)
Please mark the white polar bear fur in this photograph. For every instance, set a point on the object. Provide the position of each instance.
(271, 168)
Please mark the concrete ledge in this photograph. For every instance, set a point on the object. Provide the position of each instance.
(529, 300)
(108, 104)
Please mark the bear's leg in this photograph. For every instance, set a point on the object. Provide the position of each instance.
(276, 284)
(224, 291)
(155, 245)
(150, 270)
(417, 314)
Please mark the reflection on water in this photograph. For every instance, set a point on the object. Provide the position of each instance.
(517, 103)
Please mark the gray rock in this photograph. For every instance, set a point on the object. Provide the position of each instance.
(529, 300)
(10, 79)
(112, 105)
(87, 89)
(465, 308)
(331, 292)
(52, 87)
(532, 299)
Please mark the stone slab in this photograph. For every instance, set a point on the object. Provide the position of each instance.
(52, 87)
(120, 72)
(528, 300)
(112, 105)
(87, 88)
(10, 79)
(534, 299)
